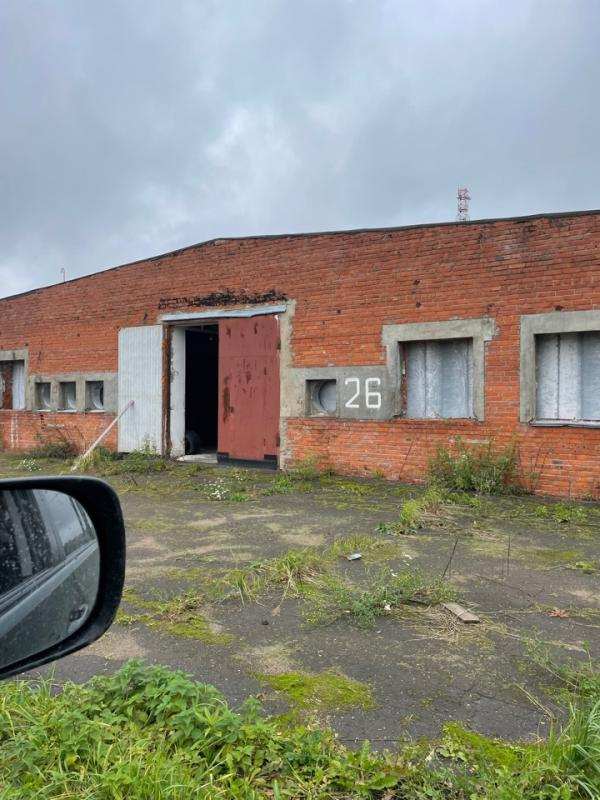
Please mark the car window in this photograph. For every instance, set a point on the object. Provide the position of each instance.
(67, 517)
(43, 550)
(11, 568)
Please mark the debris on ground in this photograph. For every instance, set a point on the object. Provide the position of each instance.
(354, 557)
(463, 614)
(561, 613)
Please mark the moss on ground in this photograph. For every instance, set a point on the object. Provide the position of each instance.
(321, 691)
(179, 616)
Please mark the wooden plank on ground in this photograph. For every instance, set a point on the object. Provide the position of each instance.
(463, 614)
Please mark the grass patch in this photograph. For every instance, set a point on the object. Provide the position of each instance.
(147, 732)
(310, 468)
(587, 567)
(180, 616)
(325, 690)
(140, 462)
(481, 469)
(290, 572)
(333, 598)
(563, 513)
(416, 511)
(572, 680)
(295, 572)
(287, 482)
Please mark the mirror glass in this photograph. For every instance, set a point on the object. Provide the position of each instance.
(49, 570)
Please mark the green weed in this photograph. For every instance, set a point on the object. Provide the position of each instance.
(587, 567)
(54, 446)
(106, 462)
(294, 572)
(333, 599)
(290, 572)
(475, 469)
(414, 512)
(577, 680)
(563, 513)
(310, 468)
(150, 733)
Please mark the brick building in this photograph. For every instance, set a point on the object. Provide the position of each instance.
(369, 348)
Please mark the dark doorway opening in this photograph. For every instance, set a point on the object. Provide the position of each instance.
(201, 389)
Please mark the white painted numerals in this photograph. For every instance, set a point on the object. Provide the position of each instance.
(372, 395)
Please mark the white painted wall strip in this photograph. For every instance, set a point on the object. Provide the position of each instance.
(257, 311)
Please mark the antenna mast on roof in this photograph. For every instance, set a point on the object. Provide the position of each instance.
(463, 198)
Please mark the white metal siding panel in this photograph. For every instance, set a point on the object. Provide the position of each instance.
(457, 378)
(568, 376)
(590, 373)
(177, 399)
(546, 370)
(140, 380)
(440, 379)
(18, 386)
(415, 378)
(433, 379)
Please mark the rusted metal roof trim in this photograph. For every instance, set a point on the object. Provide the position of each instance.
(257, 311)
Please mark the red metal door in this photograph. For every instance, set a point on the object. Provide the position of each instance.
(249, 388)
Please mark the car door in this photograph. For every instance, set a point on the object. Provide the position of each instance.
(53, 558)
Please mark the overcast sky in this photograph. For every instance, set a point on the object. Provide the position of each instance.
(129, 128)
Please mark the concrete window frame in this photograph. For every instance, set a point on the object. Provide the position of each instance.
(553, 322)
(20, 355)
(480, 330)
(81, 379)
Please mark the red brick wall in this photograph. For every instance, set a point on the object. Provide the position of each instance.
(22, 430)
(346, 287)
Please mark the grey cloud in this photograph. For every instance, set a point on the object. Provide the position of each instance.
(129, 129)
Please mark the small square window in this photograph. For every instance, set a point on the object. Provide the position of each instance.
(68, 396)
(322, 397)
(439, 379)
(94, 395)
(43, 396)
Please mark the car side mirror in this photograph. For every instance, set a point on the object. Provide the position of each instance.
(62, 567)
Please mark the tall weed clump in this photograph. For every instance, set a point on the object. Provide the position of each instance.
(475, 468)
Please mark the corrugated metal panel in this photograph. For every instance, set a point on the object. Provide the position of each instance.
(140, 380)
(249, 387)
(439, 378)
(18, 385)
(568, 376)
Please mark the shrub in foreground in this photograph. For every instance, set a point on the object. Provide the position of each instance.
(148, 733)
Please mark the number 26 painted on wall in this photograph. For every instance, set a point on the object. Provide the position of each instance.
(371, 394)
